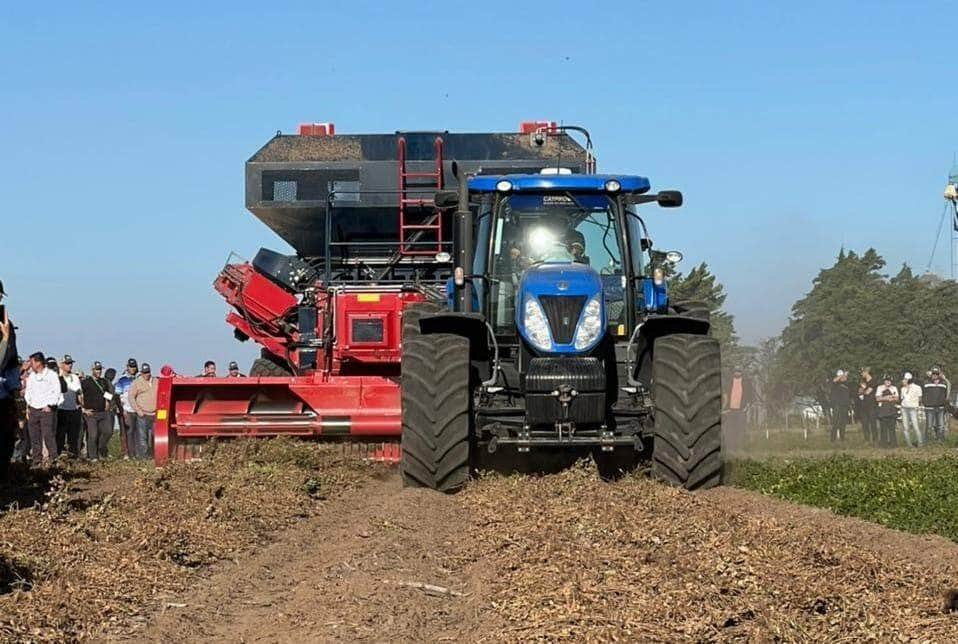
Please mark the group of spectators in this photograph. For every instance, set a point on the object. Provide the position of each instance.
(67, 413)
(48, 409)
(57, 403)
(878, 403)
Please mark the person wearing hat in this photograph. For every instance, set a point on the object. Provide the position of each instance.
(97, 396)
(840, 398)
(886, 396)
(143, 399)
(910, 402)
(128, 416)
(234, 371)
(575, 244)
(69, 418)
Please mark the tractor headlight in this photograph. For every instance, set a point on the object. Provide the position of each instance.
(536, 326)
(503, 185)
(591, 324)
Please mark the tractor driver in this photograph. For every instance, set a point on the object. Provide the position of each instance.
(575, 243)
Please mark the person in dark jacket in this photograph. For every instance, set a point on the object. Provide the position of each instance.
(867, 407)
(840, 399)
(886, 396)
(97, 397)
(935, 399)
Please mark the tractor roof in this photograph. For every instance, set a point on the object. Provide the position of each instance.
(561, 183)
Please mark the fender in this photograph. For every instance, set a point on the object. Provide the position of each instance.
(656, 326)
(471, 326)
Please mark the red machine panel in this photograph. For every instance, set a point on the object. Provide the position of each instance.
(369, 324)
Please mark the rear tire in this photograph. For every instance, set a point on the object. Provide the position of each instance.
(436, 412)
(263, 367)
(687, 396)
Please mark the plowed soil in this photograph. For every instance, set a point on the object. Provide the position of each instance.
(518, 558)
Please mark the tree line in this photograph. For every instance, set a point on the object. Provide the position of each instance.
(855, 315)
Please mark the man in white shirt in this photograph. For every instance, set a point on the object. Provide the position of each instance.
(910, 402)
(69, 417)
(42, 394)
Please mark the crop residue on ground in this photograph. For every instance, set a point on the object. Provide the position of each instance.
(636, 560)
(108, 543)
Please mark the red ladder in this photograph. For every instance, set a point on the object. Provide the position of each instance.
(411, 229)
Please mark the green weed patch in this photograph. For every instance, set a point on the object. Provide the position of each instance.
(919, 496)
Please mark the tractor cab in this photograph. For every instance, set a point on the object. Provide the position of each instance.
(566, 259)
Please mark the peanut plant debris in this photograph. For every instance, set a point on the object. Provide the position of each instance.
(577, 559)
(107, 544)
(328, 549)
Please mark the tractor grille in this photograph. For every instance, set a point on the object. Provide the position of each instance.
(563, 312)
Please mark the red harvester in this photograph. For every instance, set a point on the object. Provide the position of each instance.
(369, 244)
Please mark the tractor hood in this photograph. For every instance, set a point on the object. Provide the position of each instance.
(560, 308)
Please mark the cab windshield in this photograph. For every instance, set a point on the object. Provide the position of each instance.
(534, 229)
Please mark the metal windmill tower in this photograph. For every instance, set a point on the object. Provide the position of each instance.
(951, 208)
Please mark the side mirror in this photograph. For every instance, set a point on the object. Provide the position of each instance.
(669, 198)
(446, 199)
(645, 244)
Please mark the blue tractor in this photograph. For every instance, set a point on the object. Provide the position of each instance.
(558, 334)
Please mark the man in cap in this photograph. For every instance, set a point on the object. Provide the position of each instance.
(840, 399)
(910, 395)
(128, 416)
(97, 396)
(575, 244)
(886, 396)
(234, 371)
(143, 400)
(42, 395)
(69, 418)
(934, 396)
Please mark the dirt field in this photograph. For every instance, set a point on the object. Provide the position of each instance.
(302, 546)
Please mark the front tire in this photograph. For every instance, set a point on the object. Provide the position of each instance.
(411, 316)
(436, 412)
(687, 396)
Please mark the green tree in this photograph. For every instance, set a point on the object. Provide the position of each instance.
(701, 285)
(855, 316)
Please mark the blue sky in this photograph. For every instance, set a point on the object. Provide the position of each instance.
(791, 129)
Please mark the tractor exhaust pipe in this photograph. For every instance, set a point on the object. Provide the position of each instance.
(462, 223)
